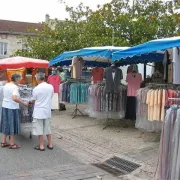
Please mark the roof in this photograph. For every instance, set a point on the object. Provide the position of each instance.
(144, 53)
(17, 27)
(19, 62)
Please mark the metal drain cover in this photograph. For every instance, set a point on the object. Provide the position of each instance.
(118, 166)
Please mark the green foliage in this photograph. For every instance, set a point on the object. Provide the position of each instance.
(118, 23)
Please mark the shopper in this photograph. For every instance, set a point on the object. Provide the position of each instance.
(42, 99)
(10, 123)
(62, 74)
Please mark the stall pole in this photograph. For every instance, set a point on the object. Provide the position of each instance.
(144, 71)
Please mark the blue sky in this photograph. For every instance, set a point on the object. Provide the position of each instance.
(35, 10)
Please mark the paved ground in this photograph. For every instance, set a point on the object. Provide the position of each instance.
(87, 139)
(27, 159)
(79, 143)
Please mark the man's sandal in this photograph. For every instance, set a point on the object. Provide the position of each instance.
(14, 146)
(3, 145)
(51, 148)
(39, 149)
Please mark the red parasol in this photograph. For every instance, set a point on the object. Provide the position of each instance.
(20, 62)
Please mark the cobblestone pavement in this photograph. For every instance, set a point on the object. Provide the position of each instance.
(86, 139)
(79, 172)
(80, 142)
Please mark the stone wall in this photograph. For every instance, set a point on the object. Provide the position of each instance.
(14, 43)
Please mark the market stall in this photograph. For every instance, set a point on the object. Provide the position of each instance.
(86, 91)
(165, 82)
(20, 65)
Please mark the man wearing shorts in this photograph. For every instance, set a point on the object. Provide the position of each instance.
(42, 98)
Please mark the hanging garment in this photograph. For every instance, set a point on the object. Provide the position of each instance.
(77, 66)
(3, 76)
(176, 65)
(168, 164)
(166, 62)
(74, 92)
(97, 74)
(131, 108)
(134, 81)
(113, 84)
(54, 80)
(151, 105)
(20, 71)
(26, 112)
(157, 77)
(34, 81)
(108, 105)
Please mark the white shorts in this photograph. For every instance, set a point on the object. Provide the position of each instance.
(41, 127)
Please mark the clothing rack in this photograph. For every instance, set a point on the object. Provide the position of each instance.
(75, 113)
(171, 99)
(172, 86)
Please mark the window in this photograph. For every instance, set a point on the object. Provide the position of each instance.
(3, 36)
(3, 48)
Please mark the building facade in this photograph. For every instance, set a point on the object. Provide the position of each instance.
(11, 33)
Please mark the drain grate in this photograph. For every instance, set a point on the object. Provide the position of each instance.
(118, 166)
(109, 169)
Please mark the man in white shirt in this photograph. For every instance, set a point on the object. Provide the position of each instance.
(42, 98)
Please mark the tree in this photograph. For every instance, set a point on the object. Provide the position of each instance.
(117, 23)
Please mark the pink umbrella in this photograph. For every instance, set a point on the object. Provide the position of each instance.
(20, 62)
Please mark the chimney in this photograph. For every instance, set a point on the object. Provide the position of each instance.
(47, 17)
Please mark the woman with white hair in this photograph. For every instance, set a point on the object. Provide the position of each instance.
(10, 123)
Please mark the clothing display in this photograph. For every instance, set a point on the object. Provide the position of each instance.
(134, 81)
(97, 74)
(74, 92)
(3, 76)
(54, 80)
(176, 65)
(20, 71)
(131, 108)
(26, 112)
(77, 65)
(34, 81)
(166, 62)
(151, 103)
(63, 76)
(113, 77)
(157, 77)
(168, 164)
(108, 105)
(170, 73)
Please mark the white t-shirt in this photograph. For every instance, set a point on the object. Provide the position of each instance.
(42, 94)
(176, 66)
(9, 91)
